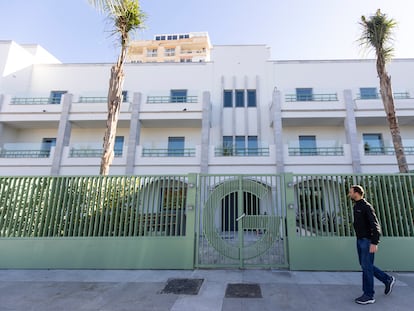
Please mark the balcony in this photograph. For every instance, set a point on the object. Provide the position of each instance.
(171, 99)
(397, 95)
(310, 109)
(241, 152)
(328, 154)
(171, 111)
(91, 153)
(24, 153)
(311, 97)
(34, 101)
(386, 150)
(323, 151)
(25, 150)
(156, 152)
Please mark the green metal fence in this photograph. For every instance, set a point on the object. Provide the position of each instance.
(324, 209)
(320, 231)
(301, 221)
(92, 206)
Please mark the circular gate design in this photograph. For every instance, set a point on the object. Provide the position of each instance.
(269, 224)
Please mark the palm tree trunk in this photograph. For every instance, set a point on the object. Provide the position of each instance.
(389, 107)
(114, 105)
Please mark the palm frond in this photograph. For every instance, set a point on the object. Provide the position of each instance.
(105, 5)
(377, 34)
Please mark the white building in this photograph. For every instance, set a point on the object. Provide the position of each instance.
(239, 112)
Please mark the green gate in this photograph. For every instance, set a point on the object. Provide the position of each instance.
(241, 221)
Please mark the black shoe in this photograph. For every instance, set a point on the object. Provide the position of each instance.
(364, 300)
(389, 285)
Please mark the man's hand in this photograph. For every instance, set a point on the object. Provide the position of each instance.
(373, 248)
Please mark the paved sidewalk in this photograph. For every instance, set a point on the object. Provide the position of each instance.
(141, 290)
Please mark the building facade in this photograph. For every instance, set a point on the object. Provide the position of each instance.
(232, 110)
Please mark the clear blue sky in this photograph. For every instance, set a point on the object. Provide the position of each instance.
(74, 31)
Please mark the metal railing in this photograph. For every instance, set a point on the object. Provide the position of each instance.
(34, 101)
(92, 206)
(397, 95)
(387, 150)
(311, 97)
(321, 151)
(151, 152)
(91, 153)
(24, 153)
(171, 99)
(323, 207)
(90, 99)
(241, 152)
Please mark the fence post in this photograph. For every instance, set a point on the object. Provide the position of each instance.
(290, 214)
(191, 212)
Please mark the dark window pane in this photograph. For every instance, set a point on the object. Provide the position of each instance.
(228, 98)
(119, 145)
(178, 96)
(368, 92)
(227, 145)
(307, 145)
(304, 94)
(239, 98)
(252, 145)
(240, 145)
(251, 98)
(55, 96)
(175, 146)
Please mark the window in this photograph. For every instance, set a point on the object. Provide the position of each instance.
(304, 94)
(373, 143)
(307, 145)
(56, 96)
(169, 52)
(118, 146)
(368, 93)
(152, 53)
(178, 96)
(252, 146)
(47, 144)
(251, 98)
(240, 145)
(227, 145)
(124, 96)
(175, 146)
(228, 98)
(239, 98)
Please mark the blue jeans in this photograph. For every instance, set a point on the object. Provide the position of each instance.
(366, 260)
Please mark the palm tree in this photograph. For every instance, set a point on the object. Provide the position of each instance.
(127, 17)
(377, 35)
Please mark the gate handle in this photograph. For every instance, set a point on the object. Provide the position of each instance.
(240, 217)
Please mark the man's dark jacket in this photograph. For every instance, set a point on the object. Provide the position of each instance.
(366, 223)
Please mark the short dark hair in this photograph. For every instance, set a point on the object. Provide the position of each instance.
(358, 189)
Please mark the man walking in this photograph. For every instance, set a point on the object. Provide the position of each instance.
(368, 230)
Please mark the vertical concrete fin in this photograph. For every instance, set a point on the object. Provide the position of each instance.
(63, 135)
(351, 131)
(134, 134)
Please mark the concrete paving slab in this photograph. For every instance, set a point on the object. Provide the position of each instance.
(140, 290)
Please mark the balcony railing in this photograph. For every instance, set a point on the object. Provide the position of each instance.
(311, 97)
(151, 152)
(34, 101)
(97, 99)
(91, 153)
(398, 95)
(241, 152)
(322, 151)
(387, 150)
(171, 99)
(24, 153)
